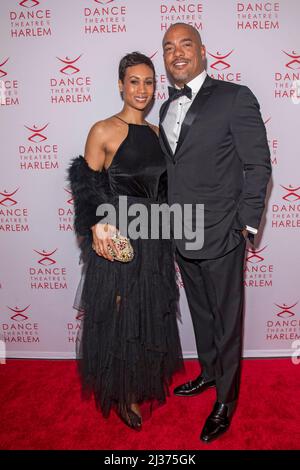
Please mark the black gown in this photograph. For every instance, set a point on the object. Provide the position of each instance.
(129, 345)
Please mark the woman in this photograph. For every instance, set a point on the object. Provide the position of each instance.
(130, 344)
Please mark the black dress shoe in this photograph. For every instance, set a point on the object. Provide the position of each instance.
(194, 387)
(217, 423)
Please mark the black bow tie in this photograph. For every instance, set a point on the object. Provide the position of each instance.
(175, 93)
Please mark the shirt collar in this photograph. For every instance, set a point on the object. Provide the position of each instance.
(197, 82)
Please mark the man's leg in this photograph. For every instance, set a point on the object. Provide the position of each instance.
(223, 282)
(202, 318)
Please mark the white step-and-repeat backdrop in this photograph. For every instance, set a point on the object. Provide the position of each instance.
(58, 75)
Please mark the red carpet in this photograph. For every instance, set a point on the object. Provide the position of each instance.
(41, 408)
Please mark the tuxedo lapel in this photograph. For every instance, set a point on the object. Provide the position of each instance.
(162, 135)
(195, 111)
(165, 143)
(163, 110)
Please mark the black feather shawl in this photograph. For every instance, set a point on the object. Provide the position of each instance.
(90, 188)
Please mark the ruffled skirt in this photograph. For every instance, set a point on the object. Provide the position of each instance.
(129, 346)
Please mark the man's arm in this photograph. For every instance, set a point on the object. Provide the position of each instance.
(249, 135)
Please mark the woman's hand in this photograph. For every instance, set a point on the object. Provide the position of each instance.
(102, 234)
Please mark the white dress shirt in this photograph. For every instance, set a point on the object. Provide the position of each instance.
(178, 109)
(177, 112)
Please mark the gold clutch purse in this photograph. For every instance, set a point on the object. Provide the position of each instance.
(125, 249)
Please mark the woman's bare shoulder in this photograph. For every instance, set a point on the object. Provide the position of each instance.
(104, 124)
(103, 128)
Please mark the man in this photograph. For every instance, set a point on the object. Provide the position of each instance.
(217, 154)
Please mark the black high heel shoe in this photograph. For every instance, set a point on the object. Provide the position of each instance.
(129, 417)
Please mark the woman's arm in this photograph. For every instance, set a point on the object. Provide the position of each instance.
(94, 154)
(90, 188)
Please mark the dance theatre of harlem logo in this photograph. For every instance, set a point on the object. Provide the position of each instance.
(19, 328)
(287, 79)
(258, 272)
(38, 153)
(286, 213)
(9, 86)
(273, 142)
(181, 11)
(13, 215)
(47, 273)
(253, 16)
(285, 324)
(74, 328)
(30, 18)
(70, 85)
(220, 67)
(161, 88)
(65, 213)
(105, 17)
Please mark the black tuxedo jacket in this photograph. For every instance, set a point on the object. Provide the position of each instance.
(222, 160)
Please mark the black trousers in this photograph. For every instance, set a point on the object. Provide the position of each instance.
(214, 290)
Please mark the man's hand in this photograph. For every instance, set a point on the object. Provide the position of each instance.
(102, 234)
